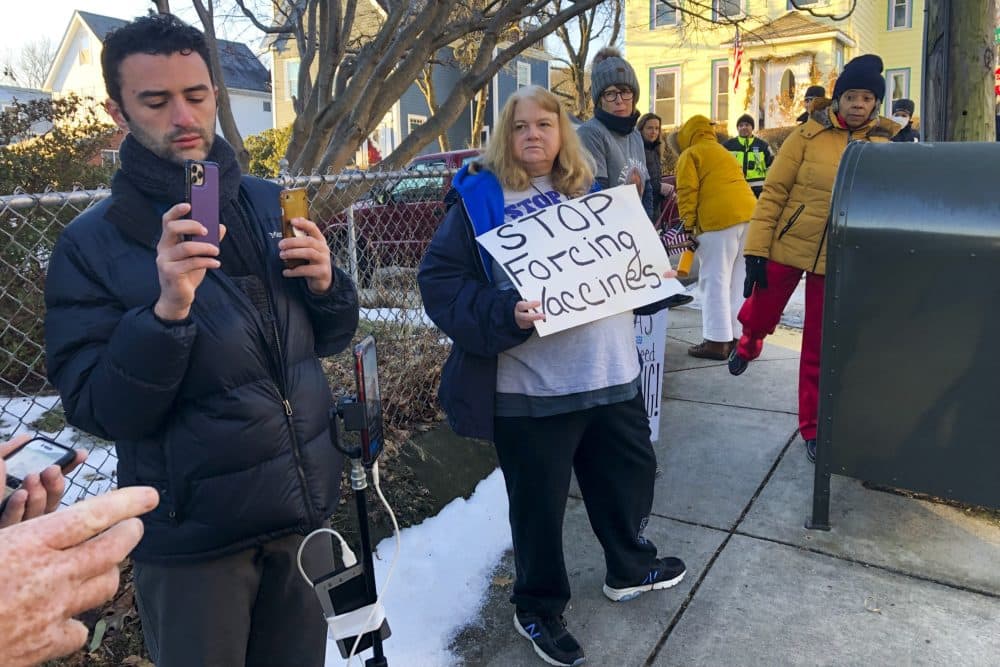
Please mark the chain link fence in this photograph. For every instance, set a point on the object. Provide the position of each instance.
(377, 225)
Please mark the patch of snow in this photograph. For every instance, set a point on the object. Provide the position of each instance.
(442, 578)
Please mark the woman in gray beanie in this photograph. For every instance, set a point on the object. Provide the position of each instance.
(611, 136)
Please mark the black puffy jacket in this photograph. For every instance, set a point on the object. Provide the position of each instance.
(233, 432)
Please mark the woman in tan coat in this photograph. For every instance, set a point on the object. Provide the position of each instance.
(788, 230)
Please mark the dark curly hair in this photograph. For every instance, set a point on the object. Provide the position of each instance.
(158, 34)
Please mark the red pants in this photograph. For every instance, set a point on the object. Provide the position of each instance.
(760, 315)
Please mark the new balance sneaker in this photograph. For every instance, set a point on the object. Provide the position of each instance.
(811, 450)
(667, 572)
(552, 641)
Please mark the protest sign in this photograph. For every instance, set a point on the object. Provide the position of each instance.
(651, 338)
(584, 259)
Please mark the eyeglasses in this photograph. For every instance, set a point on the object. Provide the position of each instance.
(612, 95)
(809, 99)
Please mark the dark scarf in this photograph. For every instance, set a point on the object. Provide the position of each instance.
(163, 182)
(623, 125)
(651, 145)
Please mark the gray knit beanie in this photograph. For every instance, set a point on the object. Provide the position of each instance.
(610, 69)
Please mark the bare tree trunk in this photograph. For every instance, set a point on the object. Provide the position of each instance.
(479, 119)
(226, 120)
(959, 58)
(162, 6)
(425, 82)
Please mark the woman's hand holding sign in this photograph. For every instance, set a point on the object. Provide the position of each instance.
(526, 313)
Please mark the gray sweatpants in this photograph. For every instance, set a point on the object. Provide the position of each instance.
(251, 608)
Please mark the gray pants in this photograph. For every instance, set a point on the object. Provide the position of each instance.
(251, 608)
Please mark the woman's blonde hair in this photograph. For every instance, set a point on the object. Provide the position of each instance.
(572, 172)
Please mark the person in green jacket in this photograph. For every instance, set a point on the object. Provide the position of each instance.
(752, 153)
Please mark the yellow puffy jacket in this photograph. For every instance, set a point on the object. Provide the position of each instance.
(711, 191)
(789, 224)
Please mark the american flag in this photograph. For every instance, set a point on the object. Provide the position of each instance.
(737, 59)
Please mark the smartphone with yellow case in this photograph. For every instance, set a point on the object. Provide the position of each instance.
(294, 204)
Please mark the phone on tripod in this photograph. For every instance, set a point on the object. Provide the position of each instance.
(369, 396)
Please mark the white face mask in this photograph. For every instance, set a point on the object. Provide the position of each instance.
(902, 120)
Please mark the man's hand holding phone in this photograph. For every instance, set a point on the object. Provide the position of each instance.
(40, 492)
(311, 248)
(180, 263)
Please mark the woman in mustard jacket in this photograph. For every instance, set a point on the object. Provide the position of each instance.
(715, 202)
(789, 226)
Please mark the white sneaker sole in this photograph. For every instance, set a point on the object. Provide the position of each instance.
(541, 654)
(631, 593)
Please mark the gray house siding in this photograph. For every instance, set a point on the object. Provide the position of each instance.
(506, 82)
(413, 102)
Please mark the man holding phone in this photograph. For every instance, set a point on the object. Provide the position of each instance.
(201, 362)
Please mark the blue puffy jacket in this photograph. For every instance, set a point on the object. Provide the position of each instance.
(231, 430)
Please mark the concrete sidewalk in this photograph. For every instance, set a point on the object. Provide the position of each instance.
(896, 582)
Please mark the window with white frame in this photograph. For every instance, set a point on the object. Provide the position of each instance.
(414, 121)
(109, 158)
(838, 58)
(267, 106)
(84, 55)
(720, 97)
(900, 14)
(666, 95)
(726, 9)
(523, 74)
(291, 78)
(897, 86)
(661, 14)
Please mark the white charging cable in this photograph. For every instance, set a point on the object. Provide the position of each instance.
(395, 557)
(346, 554)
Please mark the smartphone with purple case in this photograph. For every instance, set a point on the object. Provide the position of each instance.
(202, 185)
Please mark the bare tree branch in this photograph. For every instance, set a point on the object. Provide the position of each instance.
(31, 67)
(833, 17)
(356, 59)
(226, 120)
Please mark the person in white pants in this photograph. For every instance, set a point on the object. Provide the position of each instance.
(715, 204)
(720, 282)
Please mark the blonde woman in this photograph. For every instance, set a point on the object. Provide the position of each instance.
(567, 402)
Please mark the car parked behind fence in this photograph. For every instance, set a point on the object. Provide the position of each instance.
(394, 222)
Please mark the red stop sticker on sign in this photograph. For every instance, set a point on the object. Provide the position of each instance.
(996, 79)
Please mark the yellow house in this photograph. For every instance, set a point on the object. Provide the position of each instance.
(686, 64)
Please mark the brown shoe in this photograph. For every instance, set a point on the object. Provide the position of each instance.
(710, 349)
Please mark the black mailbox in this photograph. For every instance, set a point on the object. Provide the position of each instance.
(910, 374)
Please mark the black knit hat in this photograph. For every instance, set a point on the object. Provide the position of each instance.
(862, 73)
(745, 118)
(815, 91)
(904, 104)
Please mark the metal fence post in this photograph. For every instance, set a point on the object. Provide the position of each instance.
(352, 246)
